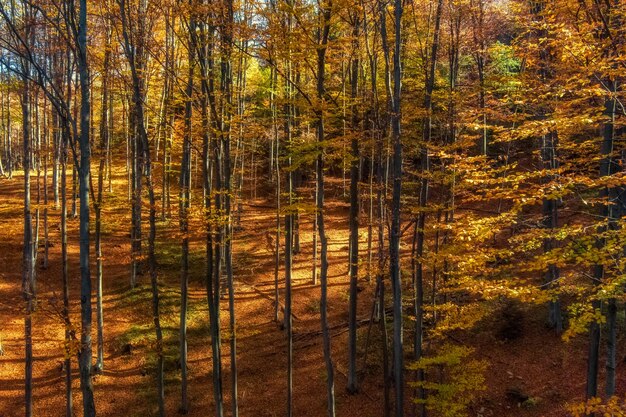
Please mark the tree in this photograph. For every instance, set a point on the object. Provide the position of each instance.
(354, 208)
(394, 238)
(323, 32)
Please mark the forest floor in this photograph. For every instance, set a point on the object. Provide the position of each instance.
(538, 363)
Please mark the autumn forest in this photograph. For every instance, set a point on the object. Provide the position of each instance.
(349, 208)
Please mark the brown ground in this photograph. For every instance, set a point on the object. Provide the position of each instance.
(539, 363)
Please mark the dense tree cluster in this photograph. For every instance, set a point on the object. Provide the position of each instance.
(478, 143)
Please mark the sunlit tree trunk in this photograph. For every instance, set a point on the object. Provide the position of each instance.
(184, 203)
(89, 409)
(353, 256)
(325, 10)
(226, 120)
(63, 138)
(289, 217)
(394, 238)
(28, 266)
(212, 168)
(104, 139)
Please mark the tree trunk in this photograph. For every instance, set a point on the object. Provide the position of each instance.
(66, 287)
(185, 195)
(353, 385)
(89, 409)
(46, 141)
(227, 85)
(277, 236)
(608, 166)
(213, 238)
(289, 229)
(104, 139)
(423, 201)
(611, 362)
(394, 239)
(323, 33)
(28, 267)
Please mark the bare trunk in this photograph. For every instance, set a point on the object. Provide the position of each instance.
(89, 408)
(394, 239)
(353, 385)
(66, 288)
(323, 33)
(28, 267)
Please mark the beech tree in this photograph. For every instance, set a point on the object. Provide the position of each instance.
(392, 185)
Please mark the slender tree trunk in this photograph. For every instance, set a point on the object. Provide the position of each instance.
(89, 409)
(104, 139)
(109, 168)
(278, 183)
(152, 264)
(315, 244)
(165, 114)
(9, 137)
(56, 159)
(383, 329)
(323, 33)
(65, 273)
(207, 166)
(74, 192)
(4, 138)
(28, 267)
(353, 385)
(216, 289)
(289, 229)
(227, 85)
(288, 316)
(214, 238)
(135, 187)
(394, 239)
(185, 195)
(611, 362)
(607, 167)
(550, 213)
(46, 154)
(99, 365)
(549, 161)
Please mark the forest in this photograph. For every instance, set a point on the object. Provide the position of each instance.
(348, 208)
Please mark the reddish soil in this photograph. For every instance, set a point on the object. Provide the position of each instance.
(539, 363)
